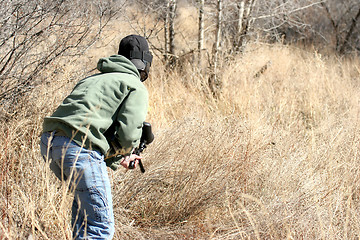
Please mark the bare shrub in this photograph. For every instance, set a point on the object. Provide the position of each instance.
(34, 34)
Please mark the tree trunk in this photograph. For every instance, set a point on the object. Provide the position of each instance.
(218, 35)
(214, 80)
(333, 24)
(350, 32)
(166, 32)
(241, 9)
(244, 11)
(172, 13)
(201, 31)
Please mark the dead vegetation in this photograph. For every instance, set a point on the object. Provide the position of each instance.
(276, 156)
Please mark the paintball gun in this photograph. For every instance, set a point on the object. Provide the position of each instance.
(146, 138)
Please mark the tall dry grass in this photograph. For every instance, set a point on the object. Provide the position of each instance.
(275, 157)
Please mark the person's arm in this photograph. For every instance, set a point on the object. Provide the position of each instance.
(131, 115)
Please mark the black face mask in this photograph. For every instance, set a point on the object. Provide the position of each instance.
(146, 58)
(144, 73)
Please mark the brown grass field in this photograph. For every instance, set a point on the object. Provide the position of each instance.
(277, 156)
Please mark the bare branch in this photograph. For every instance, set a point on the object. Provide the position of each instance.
(350, 32)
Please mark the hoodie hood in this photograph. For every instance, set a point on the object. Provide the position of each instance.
(117, 63)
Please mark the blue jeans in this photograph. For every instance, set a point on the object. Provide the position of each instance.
(92, 212)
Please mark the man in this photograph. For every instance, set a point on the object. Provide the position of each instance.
(74, 141)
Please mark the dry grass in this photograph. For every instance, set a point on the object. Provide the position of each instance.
(275, 157)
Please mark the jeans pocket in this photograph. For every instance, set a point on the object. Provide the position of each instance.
(101, 209)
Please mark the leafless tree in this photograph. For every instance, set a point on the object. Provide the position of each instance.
(241, 21)
(244, 11)
(315, 22)
(166, 32)
(214, 79)
(201, 31)
(172, 10)
(163, 28)
(169, 32)
(33, 34)
(344, 20)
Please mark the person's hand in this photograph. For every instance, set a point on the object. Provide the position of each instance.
(127, 159)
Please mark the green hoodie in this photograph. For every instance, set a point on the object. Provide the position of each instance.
(116, 94)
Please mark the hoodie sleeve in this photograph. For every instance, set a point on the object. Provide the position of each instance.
(131, 115)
